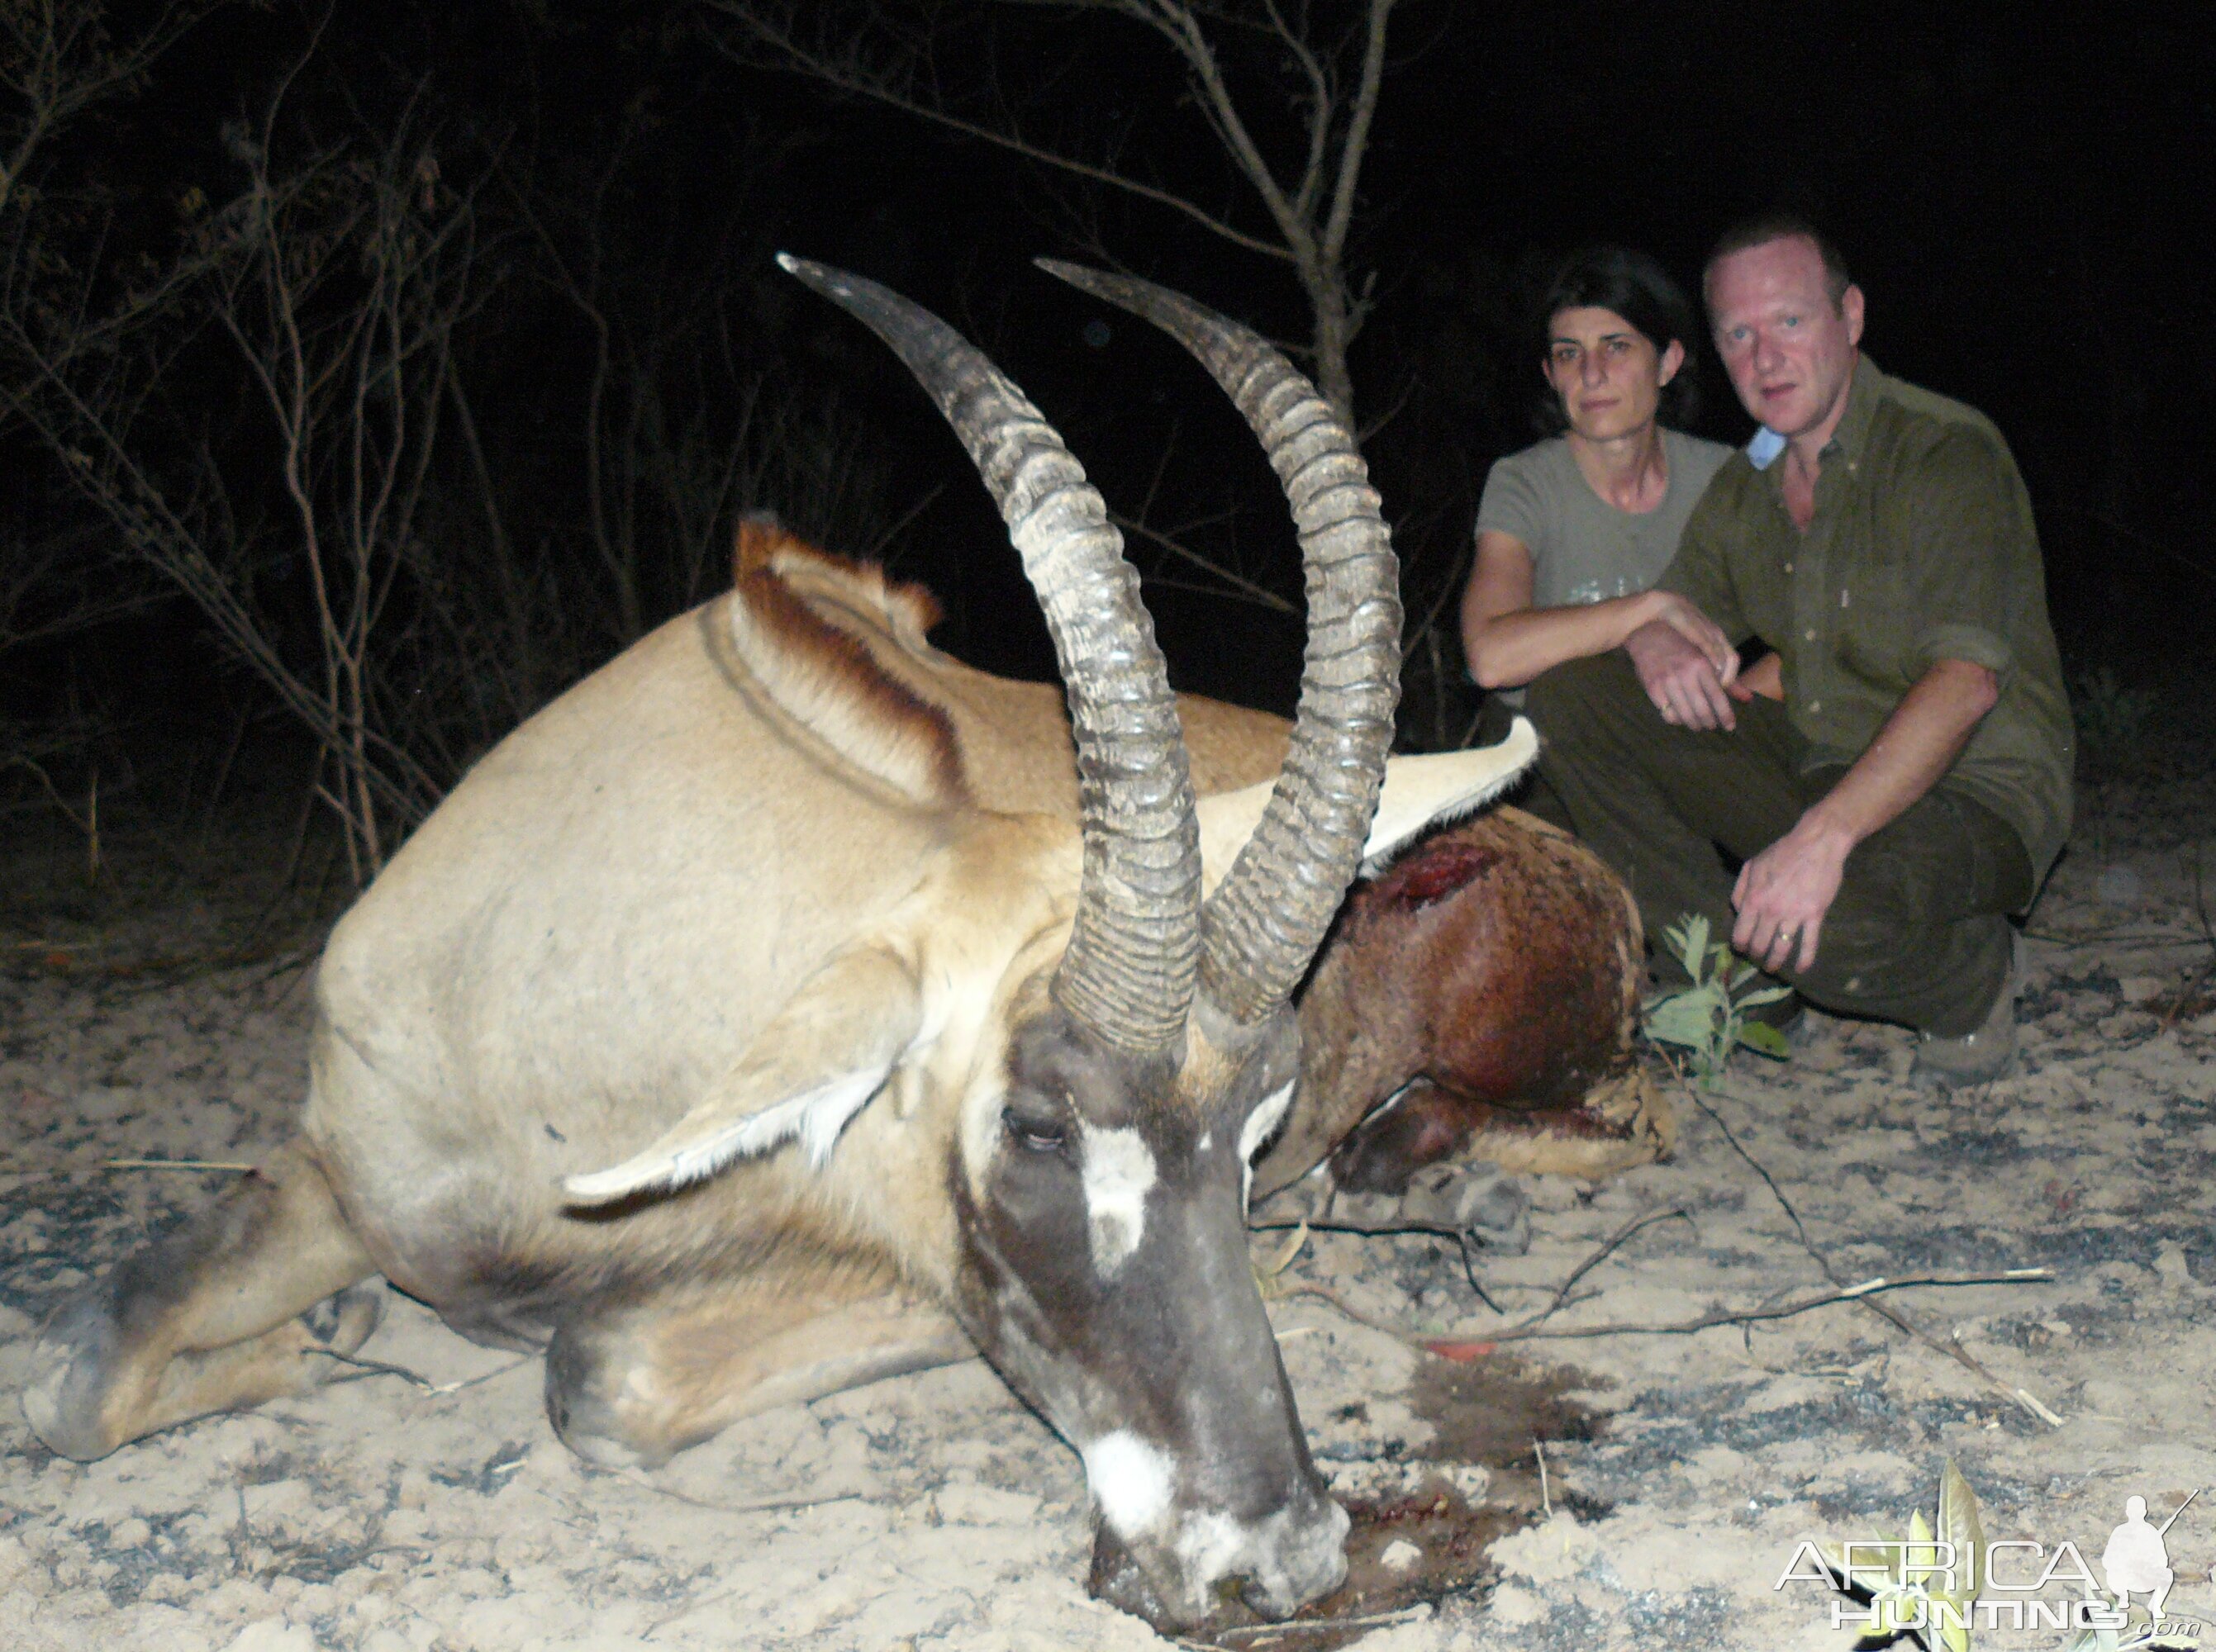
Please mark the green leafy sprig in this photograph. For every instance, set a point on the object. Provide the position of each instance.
(1912, 1594)
(1709, 1018)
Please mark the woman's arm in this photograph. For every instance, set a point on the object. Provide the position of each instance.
(1508, 642)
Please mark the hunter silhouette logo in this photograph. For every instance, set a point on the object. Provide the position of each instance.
(2137, 1560)
(1944, 1578)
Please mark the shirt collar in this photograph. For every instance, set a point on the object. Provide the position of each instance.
(1864, 392)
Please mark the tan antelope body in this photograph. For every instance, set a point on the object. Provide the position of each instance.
(902, 1032)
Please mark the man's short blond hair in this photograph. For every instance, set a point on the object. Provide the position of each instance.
(1766, 227)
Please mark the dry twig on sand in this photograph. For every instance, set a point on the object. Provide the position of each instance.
(172, 1164)
(379, 1368)
(1250, 1637)
(1861, 1292)
(1952, 1349)
(757, 1506)
(1530, 1331)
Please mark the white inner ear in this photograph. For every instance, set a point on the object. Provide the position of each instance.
(814, 1116)
(1417, 790)
(1261, 1124)
(1443, 786)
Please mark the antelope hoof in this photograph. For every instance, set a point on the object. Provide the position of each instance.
(584, 1401)
(1481, 1202)
(342, 1323)
(91, 1392)
(73, 1376)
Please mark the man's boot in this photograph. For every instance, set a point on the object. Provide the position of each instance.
(1978, 1057)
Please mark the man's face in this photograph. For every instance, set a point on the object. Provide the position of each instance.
(1790, 351)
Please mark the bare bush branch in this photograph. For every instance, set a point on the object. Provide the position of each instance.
(1329, 86)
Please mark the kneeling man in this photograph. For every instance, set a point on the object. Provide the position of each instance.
(1895, 777)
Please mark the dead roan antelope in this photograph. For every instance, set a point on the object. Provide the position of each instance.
(781, 1009)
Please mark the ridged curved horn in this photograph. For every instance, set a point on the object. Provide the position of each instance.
(1133, 956)
(1266, 918)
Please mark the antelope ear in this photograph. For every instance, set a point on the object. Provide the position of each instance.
(1418, 791)
(1444, 786)
(807, 1072)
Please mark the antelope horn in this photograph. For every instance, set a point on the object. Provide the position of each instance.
(1129, 974)
(1266, 918)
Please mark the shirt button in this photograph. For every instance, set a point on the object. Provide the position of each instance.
(1788, 568)
(1810, 635)
(1815, 706)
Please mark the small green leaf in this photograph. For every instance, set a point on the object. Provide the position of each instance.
(1766, 995)
(1959, 1526)
(1889, 1551)
(1682, 1020)
(1898, 1608)
(1765, 1040)
(1692, 942)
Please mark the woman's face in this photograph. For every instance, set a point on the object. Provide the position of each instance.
(1607, 372)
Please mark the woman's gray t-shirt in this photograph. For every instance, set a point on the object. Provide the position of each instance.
(1583, 548)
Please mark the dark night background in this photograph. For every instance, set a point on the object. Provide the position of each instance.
(2019, 191)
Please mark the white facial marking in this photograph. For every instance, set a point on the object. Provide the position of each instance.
(1264, 1119)
(1118, 1170)
(1130, 1480)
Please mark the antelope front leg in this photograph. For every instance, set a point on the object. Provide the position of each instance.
(630, 1383)
(237, 1307)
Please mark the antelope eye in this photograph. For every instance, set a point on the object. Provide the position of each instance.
(1032, 1133)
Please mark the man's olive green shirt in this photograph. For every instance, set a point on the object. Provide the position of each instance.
(1922, 549)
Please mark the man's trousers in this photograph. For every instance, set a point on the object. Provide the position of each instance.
(1918, 933)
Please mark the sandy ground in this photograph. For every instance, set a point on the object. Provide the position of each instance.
(388, 1513)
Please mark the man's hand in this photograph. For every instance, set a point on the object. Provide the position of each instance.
(1686, 684)
(1765, 677)
(1697, 628)
(1783, 893)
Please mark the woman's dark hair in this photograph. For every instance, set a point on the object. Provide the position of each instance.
(1640, 290)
